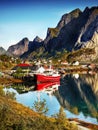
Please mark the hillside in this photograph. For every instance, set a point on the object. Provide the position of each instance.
(14, 116)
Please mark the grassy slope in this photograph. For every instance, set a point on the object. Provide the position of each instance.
(14, 116)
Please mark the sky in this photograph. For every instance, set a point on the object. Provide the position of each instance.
(31, 18)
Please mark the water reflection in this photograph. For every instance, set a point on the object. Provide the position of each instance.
(76, 93)
(47, 87)
(79, 94)
(23, 88)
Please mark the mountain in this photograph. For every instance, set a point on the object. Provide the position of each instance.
(33, 46)
(36, 43)
(2, 51)
(19, 48)
(66, 18)
(88, 37)
(77, 30)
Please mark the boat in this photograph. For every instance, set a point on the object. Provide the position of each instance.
(47, 78)
(46, 74)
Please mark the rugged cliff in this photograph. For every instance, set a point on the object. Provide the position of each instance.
(74, 31)
(33, 46)
(19, 48)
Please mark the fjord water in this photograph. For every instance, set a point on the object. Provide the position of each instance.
(78, 94)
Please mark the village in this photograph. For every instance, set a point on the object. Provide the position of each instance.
(28, 68)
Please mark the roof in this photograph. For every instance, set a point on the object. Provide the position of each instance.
(23, 65)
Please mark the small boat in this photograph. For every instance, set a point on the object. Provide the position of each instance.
(47, 78)
(42, 74)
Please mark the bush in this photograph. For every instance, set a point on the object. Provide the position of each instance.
(40, 106)
(11, 95)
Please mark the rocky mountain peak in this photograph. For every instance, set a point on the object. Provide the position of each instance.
(90, 9)
(1, 48)
(19, 48)
(24, 41)
(38, 39)
(75, 30)
(33, 46)
(2, 51)
(66, 18)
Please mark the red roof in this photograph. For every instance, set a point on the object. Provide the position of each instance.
(24, 65)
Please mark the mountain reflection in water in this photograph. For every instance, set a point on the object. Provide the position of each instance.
(79, 94)
(76, 93)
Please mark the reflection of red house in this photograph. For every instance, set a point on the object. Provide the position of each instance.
(23, 66)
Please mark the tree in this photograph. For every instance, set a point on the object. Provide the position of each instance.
(40, 106)
(62, 122)
(19, 70)
(2, 93)
(11, 95)
(61, 115)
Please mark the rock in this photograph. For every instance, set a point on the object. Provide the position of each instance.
(19, 48)
(2, 51)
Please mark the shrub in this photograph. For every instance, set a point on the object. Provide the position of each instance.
(40, 106)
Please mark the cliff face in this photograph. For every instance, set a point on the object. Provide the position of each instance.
(89, 38)
(52, 38)
(19, 48)
(66, 18)
(32, 46)
(76, 29)
(35, 43)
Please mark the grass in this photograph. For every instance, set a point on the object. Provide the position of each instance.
(5, 80)
(14, 116)
(80, 55)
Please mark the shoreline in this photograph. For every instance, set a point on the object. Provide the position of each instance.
(79, 122)
(84, 124)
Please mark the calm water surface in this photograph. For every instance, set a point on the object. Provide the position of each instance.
(78, 94)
